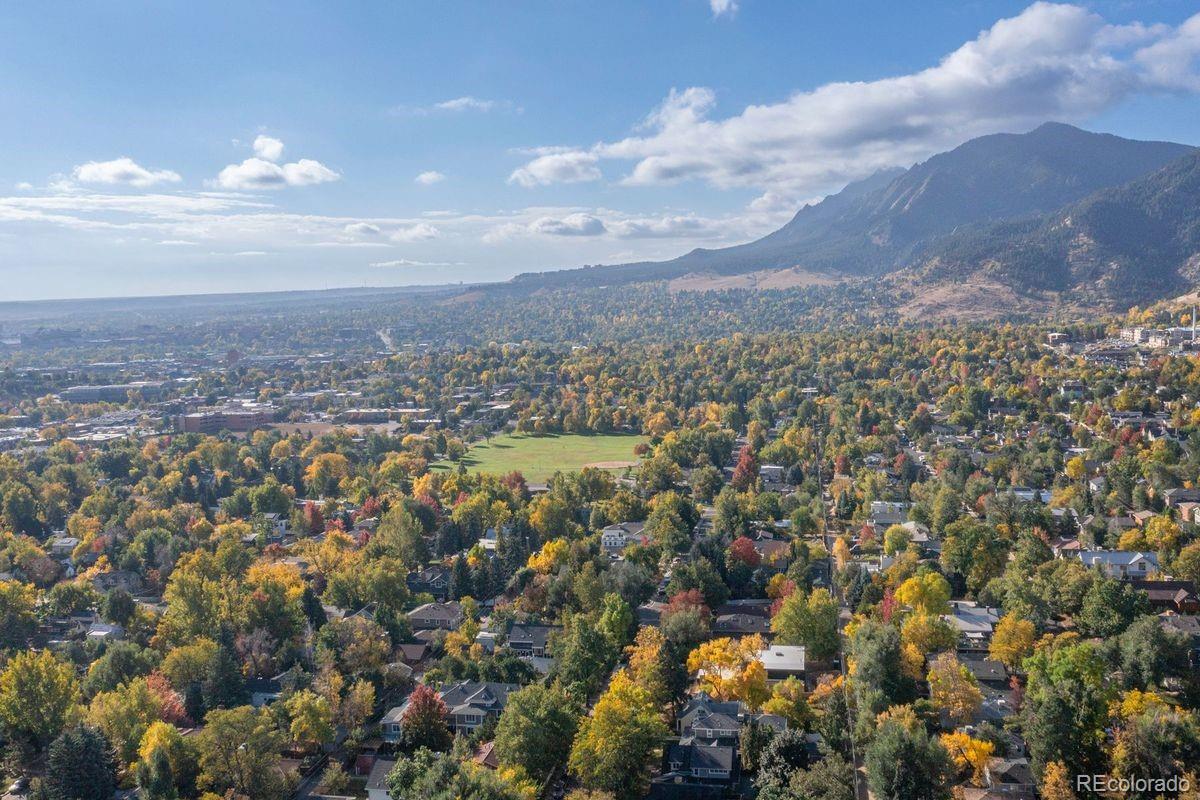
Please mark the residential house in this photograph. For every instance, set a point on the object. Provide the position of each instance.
(740, 625)
(436, 616)
(377, 788)
(264, 691)
(530, 640)
(973, 622)
(698, 762)
(615, 538)
(468, 704)
(1178, 496)
(783, 661)
(434, 580)
(1177, 596)
(1124, 564)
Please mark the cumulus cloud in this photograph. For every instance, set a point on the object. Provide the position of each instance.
(263, 170)
(256, 173)
(667, 227)
(362, 229)
(268, 147)
(570, 166)
(420, 232)
(723, 7)
(1050, 62)
(429, 178)
(123, 170)
(571, 225)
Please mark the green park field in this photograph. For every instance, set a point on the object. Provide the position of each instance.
(539, 457)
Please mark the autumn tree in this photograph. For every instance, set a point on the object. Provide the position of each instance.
(731, 669)
(1012, 641)
(424, 720)
(954, 689)
(613, 745)
(38, 695)
(810, 620)
(239, 751)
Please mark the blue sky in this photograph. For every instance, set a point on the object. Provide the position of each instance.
(160, 148)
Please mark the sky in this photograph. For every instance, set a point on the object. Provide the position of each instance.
(177, 147)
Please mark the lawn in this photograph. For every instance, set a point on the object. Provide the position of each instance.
(539, 457)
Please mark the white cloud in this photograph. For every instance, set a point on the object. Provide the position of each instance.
(571, 225)
(256, 173)
(668, 227)
(466, 103)
(723, 7)
(421, 231)
(268, 147)
(459, 105)
(1050, 62)
(429, 178)
(251, 253)
(405, 262)
(23, 186)
(123, 170)
(177, 243)
(571, 166)
(362, 229)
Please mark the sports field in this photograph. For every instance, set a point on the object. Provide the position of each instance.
(539, 457)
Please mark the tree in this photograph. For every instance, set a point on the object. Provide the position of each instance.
(810, 620)
(1056, 782)
(401, 535)
(1148, 655)
(954, 689)
(324, 473)
(652, 665)
(617, 621)
(1012, 641)
(896, 539)
(80, 766)
(904, 763)
(1162, 742)
(1066, 707)
(830, 778)
(746, 471)
(925, 633)
(17, 618)
(788, 700)
(536, 729)
(124, 715)
(970, 755)
(730, 669)
(424, 721)
(311, 718)
(585, 655)
(155, 778)
(38, 693)
(613, 744)
(1109, 607)
(928, 592)
(163, 739)
(239, 751)
(878, 675)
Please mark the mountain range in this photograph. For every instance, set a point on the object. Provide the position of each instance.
(1091, 217)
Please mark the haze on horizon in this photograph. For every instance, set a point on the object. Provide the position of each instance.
(172, 149)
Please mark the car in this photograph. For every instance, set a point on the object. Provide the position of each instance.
(19, 786)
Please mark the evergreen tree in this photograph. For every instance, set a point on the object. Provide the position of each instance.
(80, 766)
